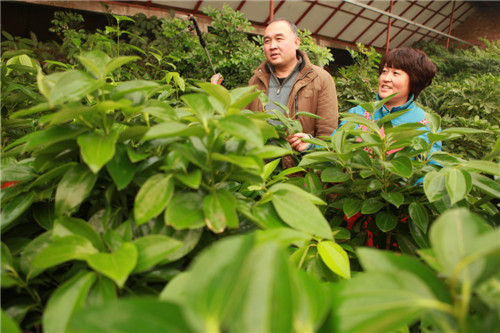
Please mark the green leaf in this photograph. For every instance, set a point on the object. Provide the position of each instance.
(245, 162)
(73, 85)
(299, 212)
(395, 198)
(398, 300)
(352, 206)
(116, 265)
(97, 149)
(371, 206)
(95, 62)
(153, 249)
(30, 251)
(400, 166)
(7, 323)
(185, 211)
(172, 129)
(373, 260)
(74, 187)
(334, 175)
(65, 226)
(434, 185)
(419, 215)
(17, 172)
(335, 257)
(386, 221)
(218, 92)
(131, 315)
(15, 208)
(117, 62)
(219, 207)
(67, 299)
(135, 90)
(48, 137)
(61, 250)
(153, 197)
(102, 292)
(120, 168)
(486, 185)
(453, 236)
(458, 184)
(491, 168)
(191, 179)
(266, 216)
(200, 106)
(241, 127)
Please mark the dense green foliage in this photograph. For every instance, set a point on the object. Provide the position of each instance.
(134, 191)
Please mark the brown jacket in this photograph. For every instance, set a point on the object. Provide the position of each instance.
(313, 91)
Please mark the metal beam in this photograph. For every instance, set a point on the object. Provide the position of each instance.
(399, 18)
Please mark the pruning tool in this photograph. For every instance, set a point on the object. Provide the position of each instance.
(194, 25)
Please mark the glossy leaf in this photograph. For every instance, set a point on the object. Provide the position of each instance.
(61, 250)
(458, 184)
(15, 208)
(220, 210)
(97, 149)
(73, 85)
(185, 211)
(153, 197)
(243, 128)
(7, 324)
(218, 92)
(352, 206)
(371, 206)
(120, 168)
(335, 257)
(401, 166)
(173, 129)
(200, 106)
(103, 291)
(299, 212)
(65, 226)
(34, 247)
(489, 167)
(116, 265)
(395, 198)
(434, 185)
(191, 179)
(386, 221)
(153, 249)
(419, 215)
(74, 187)
(266, 216)
(49, 136)
(67, 299)
(486, 185)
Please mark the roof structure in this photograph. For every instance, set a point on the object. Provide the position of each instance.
(382, 24)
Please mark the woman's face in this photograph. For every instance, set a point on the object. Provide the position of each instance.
(393, 80)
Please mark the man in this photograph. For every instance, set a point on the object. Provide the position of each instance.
(289, 78)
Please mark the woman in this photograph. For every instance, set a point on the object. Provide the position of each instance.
(404, 71)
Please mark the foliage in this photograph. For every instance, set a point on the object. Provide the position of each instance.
(359, 80)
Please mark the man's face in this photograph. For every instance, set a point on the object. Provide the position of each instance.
(280, 44)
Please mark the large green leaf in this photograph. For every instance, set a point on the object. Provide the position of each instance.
(386, 221)
(484, 166)
(243, 128)
(130, 316)
(486, 185)
(120, 168)
(335, 257)
(352, 206)
(434, 185)
(68, 298)
(200, 106)
(397, 300)
(74, 187)
(30, 251)
(136, 90)
(103, 290)
(116, 265)
(65, 226)
(371, 206)
(395, 198)
(153, 249)
(419, 215)
(97, 149)
(191, 179)
(218, 92)
(47, 137)
(266, 216)
(185, 211)
(15, 208)
(401, 166)
(245, 162)
(173, 129)
(458, 184)
(7, 323)
(153, 197)
(219, 207)
(299, 212)
(453, 237)
(61, 250)
(374, 260)
(73, 85)
(17, 172)
(334, 175)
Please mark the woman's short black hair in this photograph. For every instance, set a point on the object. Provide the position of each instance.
(414, 62)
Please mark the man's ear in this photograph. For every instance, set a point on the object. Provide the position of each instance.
(297, 43)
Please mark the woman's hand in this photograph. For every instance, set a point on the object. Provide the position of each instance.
(296, 143)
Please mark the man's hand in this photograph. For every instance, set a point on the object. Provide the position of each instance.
(296, 143)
